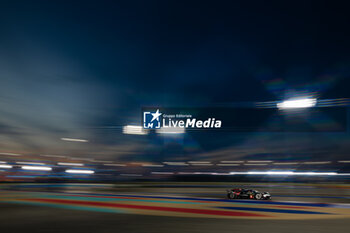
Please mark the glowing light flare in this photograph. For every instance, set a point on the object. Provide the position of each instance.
(134, 129)
(37, 168)
(297, 103)
(79, 171)
(70, 164)
(287, 173)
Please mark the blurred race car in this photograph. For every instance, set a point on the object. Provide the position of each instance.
(247, 194)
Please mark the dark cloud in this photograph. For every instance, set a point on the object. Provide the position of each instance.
(75, 69)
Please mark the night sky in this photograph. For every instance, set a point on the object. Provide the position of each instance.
(84, 69)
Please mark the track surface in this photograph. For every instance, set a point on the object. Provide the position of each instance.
(76, 208)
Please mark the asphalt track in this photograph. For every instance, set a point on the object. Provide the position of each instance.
(172, 208)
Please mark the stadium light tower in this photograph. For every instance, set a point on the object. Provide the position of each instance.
(297, 103)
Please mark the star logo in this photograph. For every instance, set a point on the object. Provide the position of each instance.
(156, 115)
(152, 120)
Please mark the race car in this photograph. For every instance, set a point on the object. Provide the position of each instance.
(247, 194)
